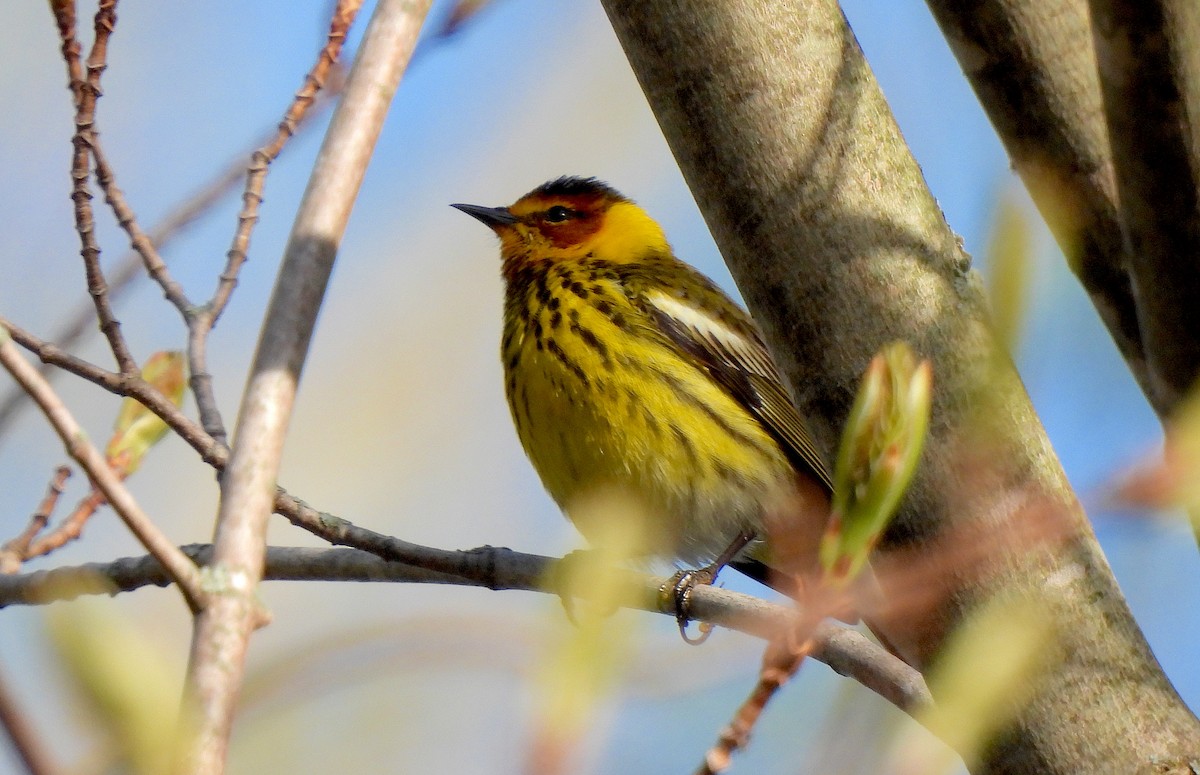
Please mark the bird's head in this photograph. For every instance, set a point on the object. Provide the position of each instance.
(571, 218)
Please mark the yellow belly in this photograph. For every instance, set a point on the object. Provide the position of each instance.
(637, 418)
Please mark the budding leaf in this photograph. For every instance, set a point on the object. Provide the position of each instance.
(137, 429)
(881, 444)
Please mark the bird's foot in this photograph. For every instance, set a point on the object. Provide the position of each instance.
(676, 595)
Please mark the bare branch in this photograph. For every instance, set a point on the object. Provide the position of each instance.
(324, 525)
(138, 239)
(222, 631)
(130, 266)
(16, 551)
(131, 386)
(71, 528)
(261, 159)
(86, 91)
(846, 651)
(90, 459)
(784, 655)
(202, 319)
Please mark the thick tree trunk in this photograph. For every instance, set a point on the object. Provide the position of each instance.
(838, 246)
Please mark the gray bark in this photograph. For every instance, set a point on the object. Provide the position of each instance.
(838, 247)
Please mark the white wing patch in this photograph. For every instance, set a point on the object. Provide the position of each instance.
(744, 366)
(732, 345)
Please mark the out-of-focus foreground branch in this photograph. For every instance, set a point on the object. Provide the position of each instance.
(838, 247)
(1104, 138)
(1032, 65)
(1148, 54)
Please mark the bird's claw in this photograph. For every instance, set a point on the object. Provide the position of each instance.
(676, 595)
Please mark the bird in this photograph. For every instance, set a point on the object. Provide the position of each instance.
(627, 369)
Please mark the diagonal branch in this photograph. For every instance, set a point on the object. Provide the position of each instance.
(1032, 65)
(221, 634)
(201, 319)
(182, 570)
(17, 550)
(1149, 66)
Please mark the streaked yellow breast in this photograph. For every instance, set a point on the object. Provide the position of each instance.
(601, 400)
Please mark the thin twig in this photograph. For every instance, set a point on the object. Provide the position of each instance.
(139, 241)
(16, 551)
(86, 91)
(252, 197)
(128, 386)
(201, 319)
(327, 526)
(783, 657)
(89, 458)
(70, 529)
(128, 268)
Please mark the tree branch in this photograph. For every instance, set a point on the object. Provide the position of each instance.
(86, 91)
(89, 458)
(838, 247)
(844, 650)
(1032, 65)
(1150, 74)
(202, 319)
(222, 631)
(16, 550)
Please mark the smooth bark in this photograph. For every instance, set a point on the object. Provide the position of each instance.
(838, 247)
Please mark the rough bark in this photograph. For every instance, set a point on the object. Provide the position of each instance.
(838, 247)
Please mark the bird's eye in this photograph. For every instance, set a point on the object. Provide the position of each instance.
(557, 214)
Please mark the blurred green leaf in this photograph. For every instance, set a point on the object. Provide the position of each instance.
(130, 689)
(1009, 267)
(581, 667)
(989, 668)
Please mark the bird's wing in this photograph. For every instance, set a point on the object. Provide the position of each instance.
(728, 346)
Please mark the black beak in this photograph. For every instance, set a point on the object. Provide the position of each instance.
(492, 217)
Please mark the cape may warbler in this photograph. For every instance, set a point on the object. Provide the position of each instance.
(627, 369)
